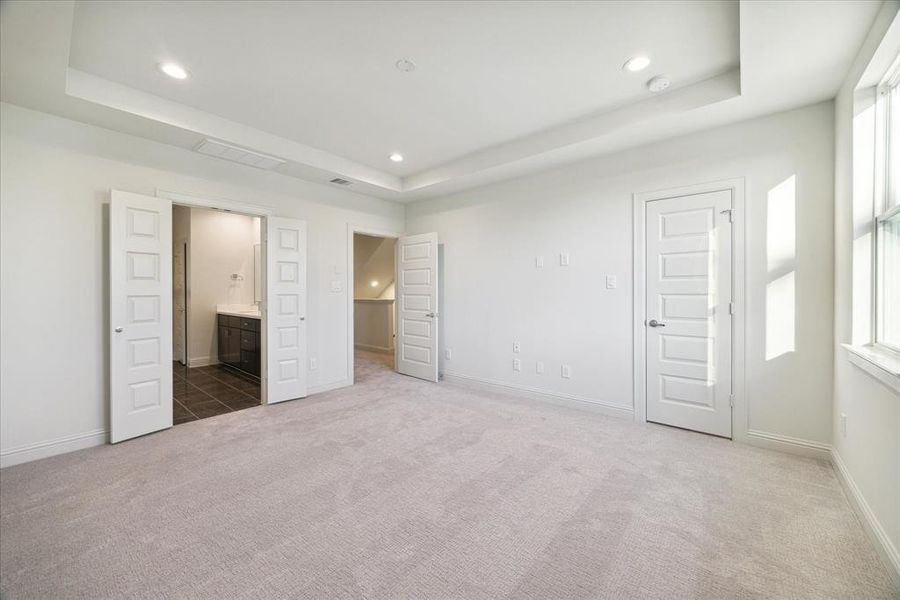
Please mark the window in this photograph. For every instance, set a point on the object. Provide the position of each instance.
(887, 213)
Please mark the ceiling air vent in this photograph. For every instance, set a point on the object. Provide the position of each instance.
(339, 181)
(238, 155)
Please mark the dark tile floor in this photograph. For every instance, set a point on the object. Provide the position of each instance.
(202, 392)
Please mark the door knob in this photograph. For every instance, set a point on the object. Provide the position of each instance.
(302, 318)
(118, 330)
(431, 314)
(655, 323)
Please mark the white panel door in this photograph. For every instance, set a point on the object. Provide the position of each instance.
(688, 318)
(417, 306)
(286, 372)
(140, 307)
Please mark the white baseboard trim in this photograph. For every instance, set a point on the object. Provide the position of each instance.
(79, 441)
(883, 545)
(380, 349)
(327, 387)
(792, 445)
(202, 361)
(568, 400)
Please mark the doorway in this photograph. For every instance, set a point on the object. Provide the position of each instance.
(412, 298)
(374, 291)
(685, 308)
(217, 317)
(142, 357)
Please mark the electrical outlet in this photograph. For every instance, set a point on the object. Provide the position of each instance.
(539, 262)
(448, 353)
(313, 364)
(610, 282)
(517, 347)
(844, 424)
(564, 259)
(566, 371)
(539, 368)
(517, 364)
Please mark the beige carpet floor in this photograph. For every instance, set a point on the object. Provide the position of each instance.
(397, 488)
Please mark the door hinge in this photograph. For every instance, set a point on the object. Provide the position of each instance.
(731, 400)
(729, 212)
(731, 308)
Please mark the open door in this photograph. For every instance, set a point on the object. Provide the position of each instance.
(417, 306)
(140, 312)
(286, 371)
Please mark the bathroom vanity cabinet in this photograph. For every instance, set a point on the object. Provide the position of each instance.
(239, 343)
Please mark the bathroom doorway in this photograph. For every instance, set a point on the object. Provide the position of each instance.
(217, 321)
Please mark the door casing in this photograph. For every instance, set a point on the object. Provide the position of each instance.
(740, 418)
(182, 319)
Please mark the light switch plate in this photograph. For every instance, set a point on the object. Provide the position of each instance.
(337, 285)
(517, 364)
(448, 353)
(517, 347)
(610, 282)
(566, 371)
(564, 259)
(539, 368)
(539, 262)
(313, 364)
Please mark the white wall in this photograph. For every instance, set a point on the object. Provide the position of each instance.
(221, 243)
(373, 307)
(373, 324)
(54, 252)
(493, 294)
(869, 452)
(373, 261)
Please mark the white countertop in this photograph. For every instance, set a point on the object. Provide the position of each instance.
(250, 311)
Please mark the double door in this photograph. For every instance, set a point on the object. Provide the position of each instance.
(141, 292)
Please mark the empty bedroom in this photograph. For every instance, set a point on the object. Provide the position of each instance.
(450, 299)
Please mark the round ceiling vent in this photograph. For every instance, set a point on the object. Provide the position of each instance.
(405, 65)
(658, 83)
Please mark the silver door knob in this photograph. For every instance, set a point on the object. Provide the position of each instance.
(655, 323)
(118, 330)
(432, 315)
(302, 318)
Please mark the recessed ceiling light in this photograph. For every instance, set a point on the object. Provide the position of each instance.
(397, 157)
(636, 63)
(658, 83)
(173, 70)
(374, 283)
(405, 65)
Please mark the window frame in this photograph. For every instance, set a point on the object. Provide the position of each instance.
(882, 209)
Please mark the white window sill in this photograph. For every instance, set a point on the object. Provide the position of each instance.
(880, 363)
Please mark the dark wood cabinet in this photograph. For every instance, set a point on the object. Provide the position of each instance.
(239, 343)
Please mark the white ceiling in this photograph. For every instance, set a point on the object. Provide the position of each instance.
(500, 88)
(323, 73)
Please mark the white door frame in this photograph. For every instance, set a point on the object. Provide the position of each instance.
(740, 414)
(252, 210)
(351, 334)
(187, 297)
